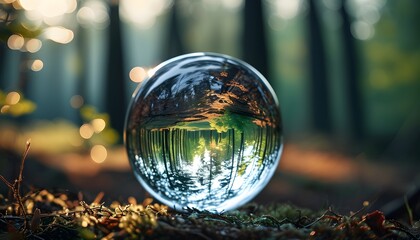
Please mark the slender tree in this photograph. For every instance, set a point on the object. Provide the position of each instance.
(351, 73)
(115, 90)
(254, 46)
(317, 69)
(174, 46)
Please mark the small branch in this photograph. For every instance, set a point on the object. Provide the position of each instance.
(324, 215)
(18, 182)
(404, 231)
(15, 187)
(25, 154)
(409, 211)
(8, 184)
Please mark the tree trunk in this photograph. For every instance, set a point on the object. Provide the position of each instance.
(351, 74)
(319, 82)
(175, 46)
(115, 90)
(254, 47)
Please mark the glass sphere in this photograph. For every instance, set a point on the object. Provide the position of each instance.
(204, 131)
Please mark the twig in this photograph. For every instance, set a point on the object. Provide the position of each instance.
(8, 184)
(15, 187)
(324, 215)
(22, 164)
(272, 219)
(409, 211)
(395, 228)
(18, 181)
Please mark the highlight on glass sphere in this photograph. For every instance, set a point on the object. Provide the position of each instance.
(204, 132)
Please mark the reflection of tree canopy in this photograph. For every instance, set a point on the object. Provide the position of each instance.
(230, 121)
(203, 165)
(195, 91)
(204, 131)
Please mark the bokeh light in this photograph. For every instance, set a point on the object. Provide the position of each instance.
(366, 14)
(59, 34)
(37, 65)
(33, 45)
(98, 125)
(4, 109)
(137, 74)
(12, 98)
(362, 30)
(98, 153)
(143, 12)
(86, 131)
(94, 14)
(49, 8)
(76, 101)
(15, 42)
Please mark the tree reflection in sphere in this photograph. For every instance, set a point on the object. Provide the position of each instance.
(204, 131)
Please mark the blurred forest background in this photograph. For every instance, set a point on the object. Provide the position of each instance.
(346, 72)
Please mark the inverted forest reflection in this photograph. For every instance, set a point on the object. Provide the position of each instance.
(345, 71)
(204, 132)
(203, 167)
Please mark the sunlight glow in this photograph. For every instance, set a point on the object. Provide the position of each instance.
(49, 8)
(28, 5)
(94, 13)
(232, 4)
(150, 72)
(143, 12)
(287, 9)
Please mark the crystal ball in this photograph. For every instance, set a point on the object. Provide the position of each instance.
(204, 131)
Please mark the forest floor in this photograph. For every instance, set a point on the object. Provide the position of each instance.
(314, 194)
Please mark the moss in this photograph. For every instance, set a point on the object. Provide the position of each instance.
(42, 214)
(77, 219)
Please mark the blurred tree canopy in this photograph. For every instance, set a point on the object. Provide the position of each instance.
(346, 69)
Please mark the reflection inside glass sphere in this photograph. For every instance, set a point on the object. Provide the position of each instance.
(204, 132)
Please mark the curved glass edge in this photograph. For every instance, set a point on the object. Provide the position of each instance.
(228, 206)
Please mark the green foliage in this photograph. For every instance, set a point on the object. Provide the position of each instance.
(230, 120)
(13, 23)
(15, 108)
(107, 135)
